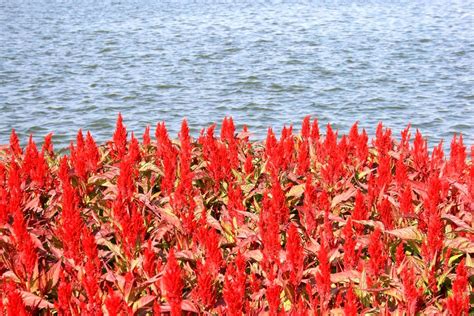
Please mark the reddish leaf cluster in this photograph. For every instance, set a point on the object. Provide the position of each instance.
(304, 224)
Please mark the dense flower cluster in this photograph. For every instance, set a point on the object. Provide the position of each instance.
(308, 224)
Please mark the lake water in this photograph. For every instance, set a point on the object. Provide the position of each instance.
(66, 65)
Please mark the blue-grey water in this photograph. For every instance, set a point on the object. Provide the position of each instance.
(70, 64)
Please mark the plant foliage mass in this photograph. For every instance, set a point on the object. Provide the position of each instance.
(303, 224)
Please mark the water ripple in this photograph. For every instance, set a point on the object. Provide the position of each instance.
(66, 65)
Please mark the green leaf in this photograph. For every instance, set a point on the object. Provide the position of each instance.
(454, 258)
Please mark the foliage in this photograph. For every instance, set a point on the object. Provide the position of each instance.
(303, 225)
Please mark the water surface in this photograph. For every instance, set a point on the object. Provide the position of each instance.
(66, 65)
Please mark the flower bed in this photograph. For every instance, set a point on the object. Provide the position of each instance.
(304, 225)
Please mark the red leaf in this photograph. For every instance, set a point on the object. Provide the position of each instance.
(33, 300)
